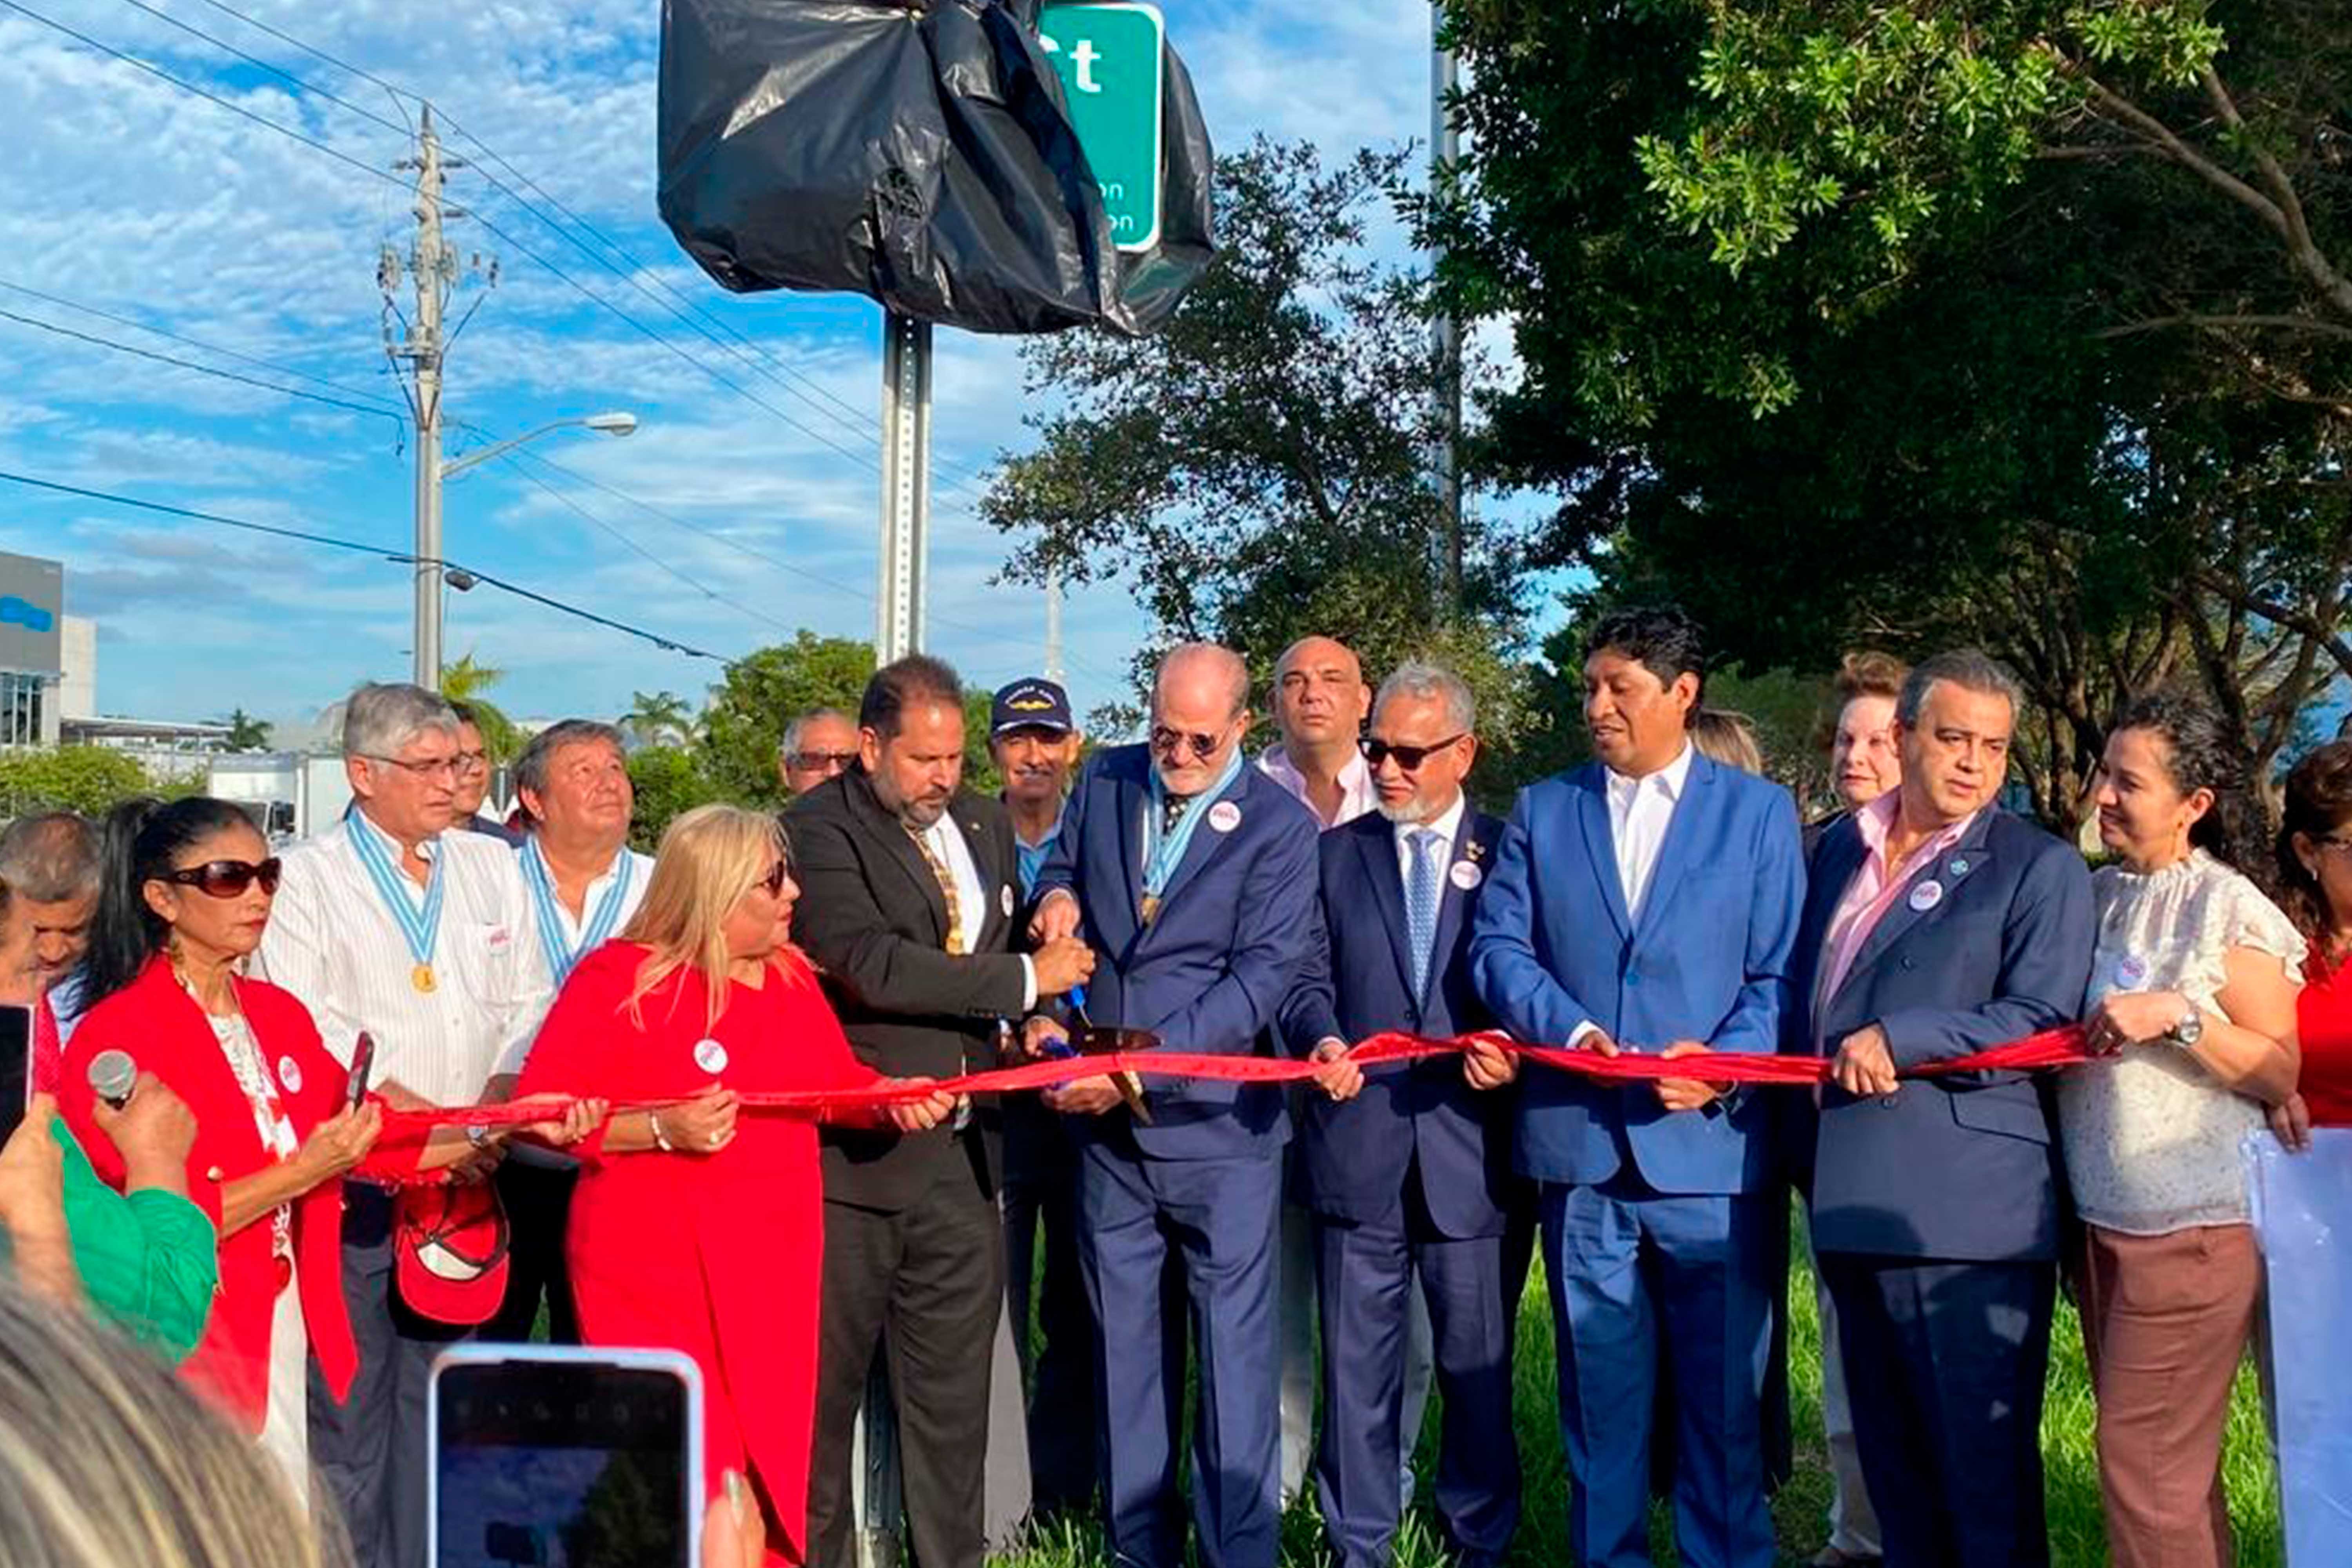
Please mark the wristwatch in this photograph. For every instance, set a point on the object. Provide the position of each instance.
(2190, 1030)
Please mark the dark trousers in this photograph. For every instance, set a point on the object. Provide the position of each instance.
(1216, 1218)
(926, 1284)
(1645, 1285)
(371, 1449)
(1040, 1194)
(1946, 1364)
(1363, 1271)
(538, 1201)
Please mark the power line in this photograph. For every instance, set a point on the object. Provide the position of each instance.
(380, 412)
(361, 547)
(255, 60)
(274, 366)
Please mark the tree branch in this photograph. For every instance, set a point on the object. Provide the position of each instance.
(2284, 324)
(2333, 286)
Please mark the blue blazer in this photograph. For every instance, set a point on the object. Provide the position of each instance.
(1354, 1155)
(1965, 1168)
(1237, 923)
(1552, 947)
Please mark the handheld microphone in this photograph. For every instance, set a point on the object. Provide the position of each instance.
(112, 1076)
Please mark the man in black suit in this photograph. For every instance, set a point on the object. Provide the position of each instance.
(908, 896)
(1407, 1167)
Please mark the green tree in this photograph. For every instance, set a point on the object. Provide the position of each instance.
(658, 718)
(669, 782)
(743, 723)
(246, 732)
(466, 681)
(88, 779)
(1257, 469)
(1934, 323)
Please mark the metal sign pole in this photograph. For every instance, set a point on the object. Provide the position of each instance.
(906, 486)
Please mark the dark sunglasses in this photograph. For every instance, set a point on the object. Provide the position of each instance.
(1407, 757)
(1165, 741)
(227, 879)
(774, 880)
(833, 761)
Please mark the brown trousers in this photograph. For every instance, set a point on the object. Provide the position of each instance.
(2165, 1320)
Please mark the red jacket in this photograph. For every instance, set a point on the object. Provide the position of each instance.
(167, 1033)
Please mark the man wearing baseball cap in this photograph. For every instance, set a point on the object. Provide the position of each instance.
(1036, 740)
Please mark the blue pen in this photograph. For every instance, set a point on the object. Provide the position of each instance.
(1061, 1049)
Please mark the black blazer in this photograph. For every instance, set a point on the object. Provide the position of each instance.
(1355, 1155)
(873, 920)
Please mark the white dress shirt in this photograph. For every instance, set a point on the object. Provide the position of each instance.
(1447, 826)
(945, 840)
(641, 873)
(332, 942)
(1640, 811)
(1358, 793)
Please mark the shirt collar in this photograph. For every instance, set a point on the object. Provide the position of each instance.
(1668, 781)
(360, 821)
(1047, 838)
(1875, 821)
(1446, 823)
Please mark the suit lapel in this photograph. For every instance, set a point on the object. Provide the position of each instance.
(1207, 843)
(1377, 852)
(980, 845)
(1905, 914)
(886, 829)
(1474, 845)
(1129, 800)
(1600, 845)
(1683, 830)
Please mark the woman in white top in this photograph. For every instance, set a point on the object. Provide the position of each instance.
(2192, 1009)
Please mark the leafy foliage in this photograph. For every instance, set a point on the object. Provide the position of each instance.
(246, 732)
(88, 779)
(465, 681)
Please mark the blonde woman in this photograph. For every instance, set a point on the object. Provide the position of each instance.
(695, 1229)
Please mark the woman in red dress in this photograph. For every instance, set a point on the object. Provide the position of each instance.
(695, 1229)
(2315, 855)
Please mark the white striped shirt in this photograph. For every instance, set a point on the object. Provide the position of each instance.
(641, 875)
(333, 944)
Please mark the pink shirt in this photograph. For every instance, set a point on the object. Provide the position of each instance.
(1357, 793)
(1874, 888)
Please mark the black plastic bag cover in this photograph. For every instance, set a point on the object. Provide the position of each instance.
(919, 153)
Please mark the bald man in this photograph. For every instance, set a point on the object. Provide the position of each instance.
(1320, 703)
(1193, 875)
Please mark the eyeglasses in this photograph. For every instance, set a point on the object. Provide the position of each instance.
(472, 761)
(2340, 846)
(227, 879)
(1409, 758)
(1167, 743)
(430, 767)
(775, 879)
(831, 761)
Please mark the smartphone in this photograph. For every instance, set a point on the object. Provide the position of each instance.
(355, 1087)
(557, 1456)
(16, 1067)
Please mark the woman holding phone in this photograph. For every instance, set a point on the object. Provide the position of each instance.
(186, 894)
(693, 1228)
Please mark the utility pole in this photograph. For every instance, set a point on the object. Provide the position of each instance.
(433, 267)
(1446, 332)
(1054, 624)
(906, 487)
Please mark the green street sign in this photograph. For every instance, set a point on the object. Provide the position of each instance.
(1108, 54)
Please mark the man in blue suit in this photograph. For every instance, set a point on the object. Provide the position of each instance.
(1648, 901)
(1407, 1168)
(1937, 925)
(1192, 875)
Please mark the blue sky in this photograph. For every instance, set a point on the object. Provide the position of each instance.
(136, 198)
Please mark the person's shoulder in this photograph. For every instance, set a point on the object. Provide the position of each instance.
(1121, 763)
(273, 1005)
(828, 801)
(482, 851)
(981, 811)
(1264, 796)
(306, 855)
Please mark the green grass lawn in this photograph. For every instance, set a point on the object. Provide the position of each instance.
(2077, 1533)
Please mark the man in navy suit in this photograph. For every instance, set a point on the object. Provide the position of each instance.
(1648, 901)
(1192, 875)
(1937, 925)
(1407, 1167)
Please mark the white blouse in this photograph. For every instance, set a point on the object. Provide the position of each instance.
(2151, 1139)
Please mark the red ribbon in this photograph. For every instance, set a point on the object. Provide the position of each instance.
(2062, 1046)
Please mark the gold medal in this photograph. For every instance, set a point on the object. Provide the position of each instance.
(1151, 908)
(421, 977)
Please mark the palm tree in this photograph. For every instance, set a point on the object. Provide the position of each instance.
(657, 718)
(465, 681)
(246, 732)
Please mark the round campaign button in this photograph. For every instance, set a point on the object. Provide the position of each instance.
(1465, 875)
(710, 1055)
(1004, 899)
(1926, 896)
(2131, 972)
(290, 1073)
(1224, 817)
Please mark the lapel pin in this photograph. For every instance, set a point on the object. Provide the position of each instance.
(1224, 817)
(1926, 896)
(1465, 875)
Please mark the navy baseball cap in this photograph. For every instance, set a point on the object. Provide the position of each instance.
(1031, 705)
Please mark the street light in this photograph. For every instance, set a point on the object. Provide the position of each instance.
(433, 474)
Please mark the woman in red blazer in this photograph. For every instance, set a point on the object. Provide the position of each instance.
(693, 1227)
(186, 893)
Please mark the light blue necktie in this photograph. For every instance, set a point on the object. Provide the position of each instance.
(1421, 903)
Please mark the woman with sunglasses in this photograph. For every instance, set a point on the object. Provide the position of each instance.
(693, 1227)
(184, 895)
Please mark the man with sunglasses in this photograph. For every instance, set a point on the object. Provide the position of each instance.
(817, 746)
(1648, 901)
(392, 923)
(474, 778)
(908, 912)
(1407, 1168)
(1193, 874)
